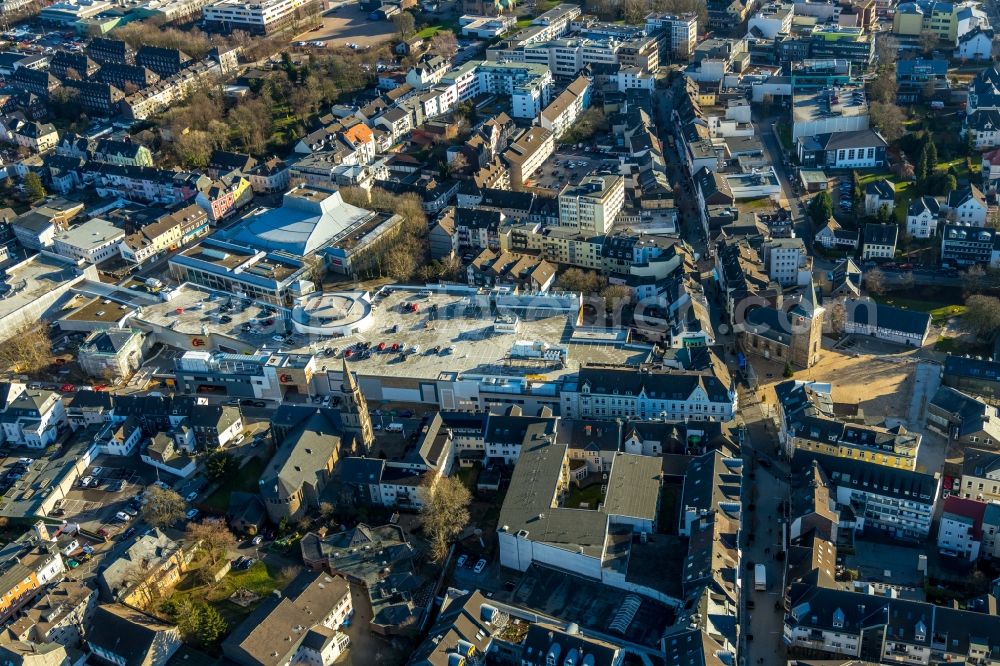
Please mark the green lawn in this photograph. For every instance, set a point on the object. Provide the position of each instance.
(245, 480)
(259, 579)
(938, 311)
(591, 495)
(524, 22)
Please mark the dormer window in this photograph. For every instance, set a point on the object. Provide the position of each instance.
(838, 619)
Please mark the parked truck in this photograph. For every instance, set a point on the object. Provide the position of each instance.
(759, 578)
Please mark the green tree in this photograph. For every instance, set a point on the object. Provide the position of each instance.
(923, 167)
(820, 208)
(883, 216)
(200, 622)
(219, 464)
(788, 371)
(932, 153)
(33, 187)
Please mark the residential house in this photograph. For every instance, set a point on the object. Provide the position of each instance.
(879, 194)
(465, 626)
(128, 153)
(886, 322)
(885, 627)
(981, 475)
(442, 239)
(960, 532)
(119, 439)
(124, 636)
(223, 162)
(963, 418)
(922, 216)
(524, 272)
(984, 127)
(977, 44)
(38, 137)
(170, 451)
(57, 616)
(215, 426)
(224, 197)
(967, 207)
(834, 237)
(991, 532)
(33, 418)
(879, 241)
(269, 177)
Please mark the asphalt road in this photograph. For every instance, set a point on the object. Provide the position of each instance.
(803, 227)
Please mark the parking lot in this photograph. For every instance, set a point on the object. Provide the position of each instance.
(349, 24)
(568, 167)
(94, 507)
(843, 197)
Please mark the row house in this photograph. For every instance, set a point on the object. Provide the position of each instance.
(650, 393)
(166, 233)
(883, 629)
(145, 184)
(225, 197)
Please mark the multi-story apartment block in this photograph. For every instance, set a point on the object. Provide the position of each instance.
(66, 64)
(39, 82)
(681, 32)
(58, 616)
(960, 531)
(31, 417)
(898, 502)
(965, 246)
(592, 205)
(527, 152)
(165, 62)
(122, 76)
(808, 423)
(97, 98)
(560, 115)
(110, 51)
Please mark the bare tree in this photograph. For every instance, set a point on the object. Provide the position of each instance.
(445, 514)
(928, 41)
(404, 23)
(444, 44)
(835, 317)
(875, 281)
(887, 119)
(163, 506)
(459, 164)
(28, 351)
(213, 537)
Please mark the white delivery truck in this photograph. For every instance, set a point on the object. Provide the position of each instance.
(759, 578)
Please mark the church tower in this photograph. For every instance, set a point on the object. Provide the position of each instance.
(354, 413)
